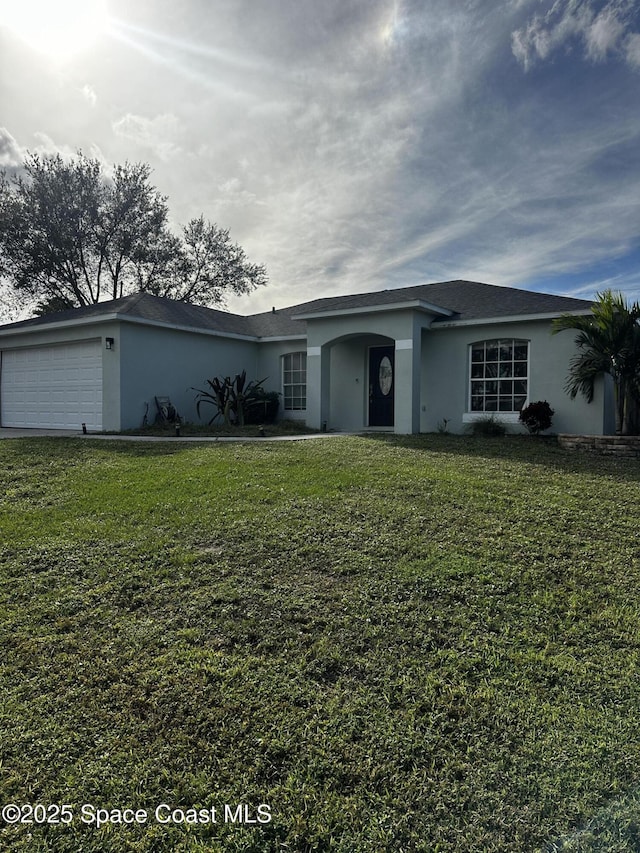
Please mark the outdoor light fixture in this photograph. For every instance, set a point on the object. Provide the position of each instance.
(109, 342)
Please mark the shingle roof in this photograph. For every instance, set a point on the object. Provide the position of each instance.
(467, 300)
(144, 306)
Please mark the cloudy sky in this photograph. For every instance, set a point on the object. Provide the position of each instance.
(353, 145)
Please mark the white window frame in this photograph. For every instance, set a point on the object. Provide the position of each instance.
(301, 370)
(508, 415)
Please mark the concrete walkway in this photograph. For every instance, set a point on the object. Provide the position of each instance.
(6, 432)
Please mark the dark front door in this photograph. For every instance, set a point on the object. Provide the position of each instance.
(381, 386)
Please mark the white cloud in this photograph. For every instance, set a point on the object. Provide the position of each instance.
(600, 31)
(45, 145)
(89, 95)
(159, 134)
(11, 156)
(604, 34)
(632, 49)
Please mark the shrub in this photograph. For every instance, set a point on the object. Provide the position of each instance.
(263, 409)
(488, 426)
(537, 417)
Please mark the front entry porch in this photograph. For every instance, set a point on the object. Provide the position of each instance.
(365, 380)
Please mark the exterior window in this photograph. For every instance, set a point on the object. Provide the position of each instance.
(499, 375)
(294, 381)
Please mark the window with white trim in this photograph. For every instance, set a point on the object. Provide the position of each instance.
(498, 375)
(294, 381)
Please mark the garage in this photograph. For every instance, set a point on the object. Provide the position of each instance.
(53, 387)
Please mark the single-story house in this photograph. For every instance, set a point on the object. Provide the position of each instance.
(406, 360)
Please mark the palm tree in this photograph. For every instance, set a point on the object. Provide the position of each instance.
(609, 342)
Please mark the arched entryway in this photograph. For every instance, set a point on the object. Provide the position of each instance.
(368, 377)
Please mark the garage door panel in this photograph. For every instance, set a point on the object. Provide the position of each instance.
(59, 387)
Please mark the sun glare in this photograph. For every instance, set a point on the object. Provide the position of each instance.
(60, 29)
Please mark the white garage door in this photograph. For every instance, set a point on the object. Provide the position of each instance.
(58, 387)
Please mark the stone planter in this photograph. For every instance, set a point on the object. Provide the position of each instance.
(606, 445)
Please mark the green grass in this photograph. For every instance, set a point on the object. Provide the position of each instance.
(416, 644)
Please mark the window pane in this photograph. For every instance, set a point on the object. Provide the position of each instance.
(294, 378)
(506, 350)
(504, 365)
(521, 351)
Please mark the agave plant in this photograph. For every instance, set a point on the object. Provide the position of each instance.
(230, 397)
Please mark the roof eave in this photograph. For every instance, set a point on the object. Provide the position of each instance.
(20, 329)
(510, 318)
(414, 304)
(269, 339)
(122, 318)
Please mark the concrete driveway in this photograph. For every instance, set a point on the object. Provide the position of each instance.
(8, 432)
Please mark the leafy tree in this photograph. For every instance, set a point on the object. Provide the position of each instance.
(71, 235)
(200, 267)
(609, 343)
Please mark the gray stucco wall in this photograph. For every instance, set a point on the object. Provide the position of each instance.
(162, 362)
(445, 376)
(149, 361)
(439, 380)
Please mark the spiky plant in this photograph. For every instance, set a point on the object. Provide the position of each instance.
(230, 397)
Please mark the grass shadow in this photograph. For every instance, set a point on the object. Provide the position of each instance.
(542, 451)
(62, 447)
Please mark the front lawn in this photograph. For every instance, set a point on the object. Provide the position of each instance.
(357, 645)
